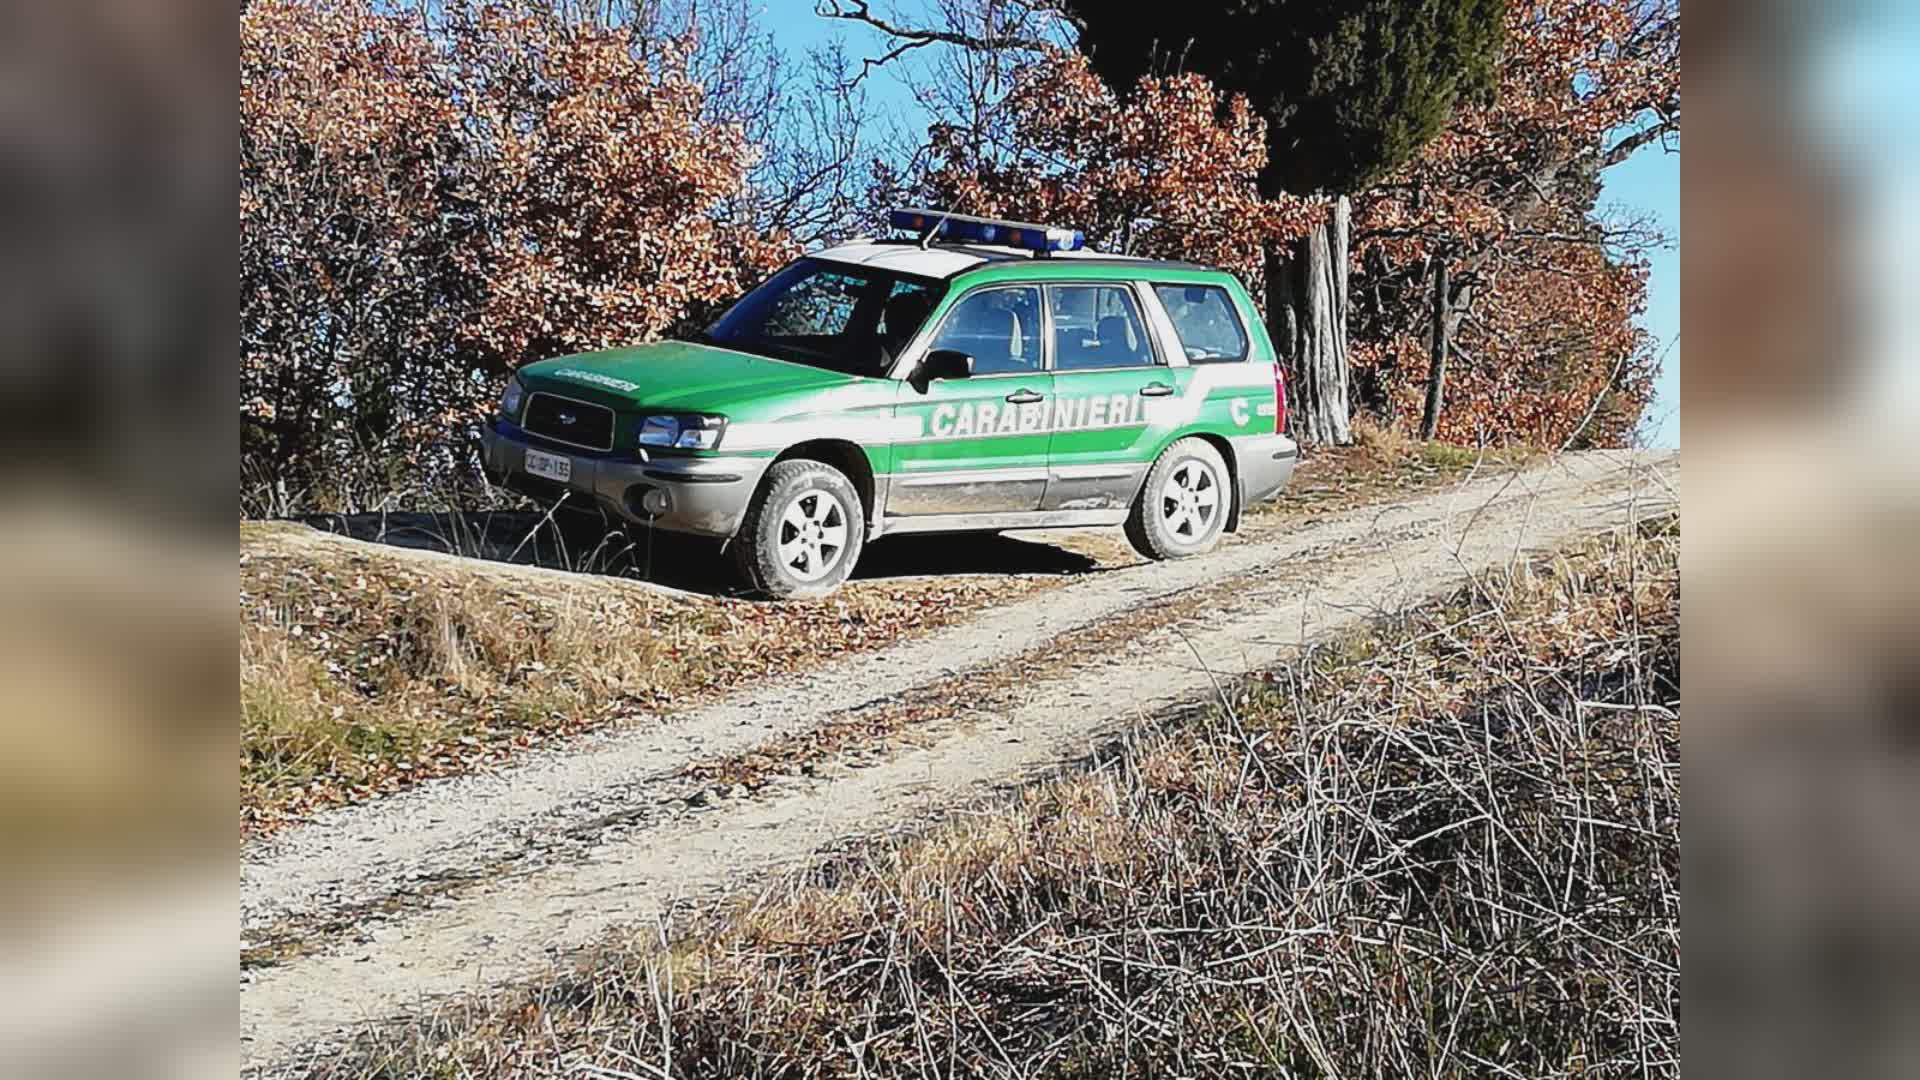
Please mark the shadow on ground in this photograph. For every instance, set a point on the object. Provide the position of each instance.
(586, 544)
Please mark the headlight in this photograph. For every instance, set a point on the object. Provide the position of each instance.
(681, 431)
(511, 397)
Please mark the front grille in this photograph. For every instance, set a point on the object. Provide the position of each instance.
(564, 420)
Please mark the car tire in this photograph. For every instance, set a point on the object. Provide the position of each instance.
(1183, 507)
(802, 533)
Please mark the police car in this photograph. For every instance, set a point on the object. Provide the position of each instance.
(973, 374)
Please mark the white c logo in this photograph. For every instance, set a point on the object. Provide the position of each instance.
(1240, 414)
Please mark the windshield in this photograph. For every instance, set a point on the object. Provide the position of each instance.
(829, 315)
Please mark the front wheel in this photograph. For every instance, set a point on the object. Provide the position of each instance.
(1182, 508)
(803, 532)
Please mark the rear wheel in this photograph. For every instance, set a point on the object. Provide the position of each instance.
(1182, 508)
(802, 533)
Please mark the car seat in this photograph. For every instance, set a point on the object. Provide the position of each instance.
(1117, 347)
(902, 315)
(998, 343)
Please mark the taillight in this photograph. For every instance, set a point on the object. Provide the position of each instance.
(1279, 400)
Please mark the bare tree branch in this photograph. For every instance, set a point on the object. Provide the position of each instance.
(861, 11)
(1667, 124)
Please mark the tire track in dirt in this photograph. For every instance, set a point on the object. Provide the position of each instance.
(558, 851)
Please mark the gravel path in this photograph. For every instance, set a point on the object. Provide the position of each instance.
(569, 844)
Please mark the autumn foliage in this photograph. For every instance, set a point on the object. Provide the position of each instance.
(431, 195)
(1169, 169)
(1547, 295)
(427, 202)
(1553, 356)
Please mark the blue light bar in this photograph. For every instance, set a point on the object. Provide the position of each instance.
(966, 229)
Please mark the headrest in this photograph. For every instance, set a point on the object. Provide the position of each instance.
(904, 311)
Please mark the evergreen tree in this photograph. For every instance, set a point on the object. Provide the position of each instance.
(1350, 90)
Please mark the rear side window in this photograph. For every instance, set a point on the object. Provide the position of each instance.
(1206, 321)
(1097, 326)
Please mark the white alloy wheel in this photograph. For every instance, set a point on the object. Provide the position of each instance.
(813, 534)
(1190, 500)
(802, 533)
(1184, 505)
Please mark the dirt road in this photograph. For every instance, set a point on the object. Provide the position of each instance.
(389, 908)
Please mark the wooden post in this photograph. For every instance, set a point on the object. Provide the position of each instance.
(1437, 368)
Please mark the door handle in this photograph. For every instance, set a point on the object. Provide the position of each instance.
(1155, 389)
(1023, 397)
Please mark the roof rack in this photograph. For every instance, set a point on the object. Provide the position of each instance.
(954, 228)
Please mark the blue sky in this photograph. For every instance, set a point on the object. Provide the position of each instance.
(1648, 183)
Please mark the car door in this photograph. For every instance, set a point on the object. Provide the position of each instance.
(977, 445)
(1115, 395)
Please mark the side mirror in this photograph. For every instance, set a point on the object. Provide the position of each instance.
(945, 364)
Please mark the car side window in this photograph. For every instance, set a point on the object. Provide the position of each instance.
(1097, 327)
(999, 328)
(1206, 322)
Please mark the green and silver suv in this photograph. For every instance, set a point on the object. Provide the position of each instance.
(986, 375)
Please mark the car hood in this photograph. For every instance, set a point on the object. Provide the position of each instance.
(677, 375)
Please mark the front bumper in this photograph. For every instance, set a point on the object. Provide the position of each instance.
(1266, 465)
(708, 496)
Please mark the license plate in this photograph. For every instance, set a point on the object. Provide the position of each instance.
(551, 466)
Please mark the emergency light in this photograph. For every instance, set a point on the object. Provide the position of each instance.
(966, 229)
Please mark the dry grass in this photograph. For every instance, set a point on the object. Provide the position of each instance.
(359, 675)
(364, 671)
(1444, 847)
(1383, 463)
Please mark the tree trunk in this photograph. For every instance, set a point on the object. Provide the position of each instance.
(1307, 317)
(1437, 368)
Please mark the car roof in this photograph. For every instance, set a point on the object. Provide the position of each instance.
(935, 262)
(954, 260)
